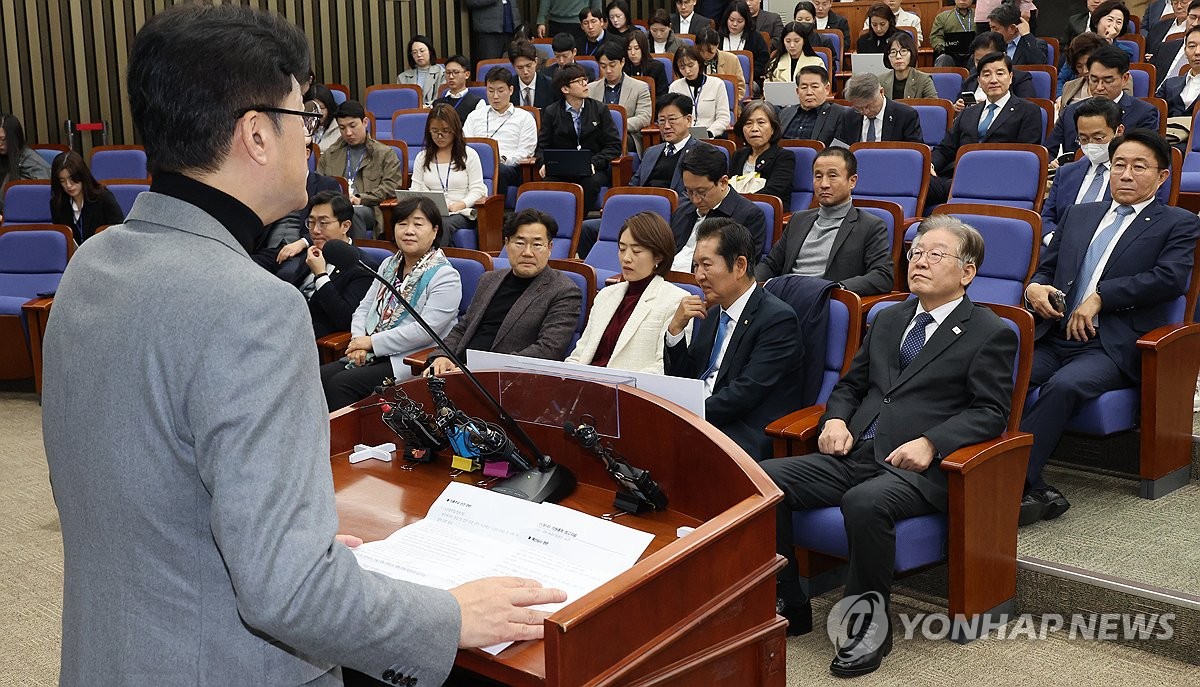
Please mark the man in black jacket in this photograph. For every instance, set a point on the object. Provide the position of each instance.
(578, 122)
(706, 185)
(874, 117)
(828, 19)
(1021, 46)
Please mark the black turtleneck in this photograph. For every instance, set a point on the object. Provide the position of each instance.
(232, 213)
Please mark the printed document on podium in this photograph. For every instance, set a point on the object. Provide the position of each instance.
(471, 533)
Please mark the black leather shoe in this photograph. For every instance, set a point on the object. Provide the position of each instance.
(862, 653)
(1056, 503)
(799, 616)
(1033, 509)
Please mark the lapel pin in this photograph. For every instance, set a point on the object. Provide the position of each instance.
(956, 330)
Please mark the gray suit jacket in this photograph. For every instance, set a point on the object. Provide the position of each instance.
(635, 98)
(861, 258)
(539, 325)
(187, 438)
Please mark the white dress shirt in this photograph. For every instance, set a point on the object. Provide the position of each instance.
(514, 131)
(735, 315)
(685, 23)
(1191, 89)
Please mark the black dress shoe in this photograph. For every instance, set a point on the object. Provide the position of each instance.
(799, 616)
(862, 653)
(1056, 503)
(1033, 509)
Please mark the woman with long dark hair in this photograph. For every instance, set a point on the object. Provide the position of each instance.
(882, 22)
(17, 160)
(447, 165)
(797, 52)
(738, 32)
(638, 62)
(321, 100)
(77, 200)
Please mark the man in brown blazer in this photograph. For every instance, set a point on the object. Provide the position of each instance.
(530, 309)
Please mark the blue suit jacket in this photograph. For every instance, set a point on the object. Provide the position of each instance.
(1135, 114)
(1067, 182)
(1147, 271)
(642, 176)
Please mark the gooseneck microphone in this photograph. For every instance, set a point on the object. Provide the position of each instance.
(548, 481)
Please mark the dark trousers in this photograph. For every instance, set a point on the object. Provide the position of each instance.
(939, 191)
(510, 175)
(489, 46)
(589, 233)
(591, 186)
(451, 225)
(1068, 373)
(345, 386)
(872, 498)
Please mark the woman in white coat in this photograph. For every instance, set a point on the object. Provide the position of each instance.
(626, 325)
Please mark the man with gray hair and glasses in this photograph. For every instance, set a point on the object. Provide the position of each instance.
(875, 118)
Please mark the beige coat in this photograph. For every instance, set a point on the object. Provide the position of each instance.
(640, 346)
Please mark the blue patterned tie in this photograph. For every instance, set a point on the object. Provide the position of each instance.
(1094, 191)
(987, 119)
(913, 343)
(716, 349)
(1091, 259)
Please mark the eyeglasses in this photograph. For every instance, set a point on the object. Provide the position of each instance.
(522, 246)
(455, 72)
(898, 53)
(439, 132)
(1098, 138)
(581, 80)
(669, 121)
(1107, 81)
(1136, 169)
(697, 193)
(312, 120)
(933, 257)
(310, 223)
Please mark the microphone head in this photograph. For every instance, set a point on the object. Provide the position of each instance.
(340, 253)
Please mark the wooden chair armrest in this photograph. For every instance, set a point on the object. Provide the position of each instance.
(622, 171)
(333, 346)
(795, 429)
(489, 222)
(651, 136)
(892, 296)
(974, 456)
(417, 361)
(38, 304)
(1170, 361)
(1165, 337)
(529, 172)
(37, 313)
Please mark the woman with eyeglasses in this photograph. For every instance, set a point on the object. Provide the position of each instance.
(77, 200)
(422, 69)
(382, 331)
(628, 319)
(638, 61)
(797, 52)
(448, 165)
(710, 102)
(903, 80)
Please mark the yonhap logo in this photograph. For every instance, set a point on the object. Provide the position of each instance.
(862, 617)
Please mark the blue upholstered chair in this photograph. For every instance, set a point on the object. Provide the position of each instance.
(485, 66)
(772, 209)
(1045, 79)
(409, 126)
(27, 201)
(623, 165)
(383, 100)
(893, 218)
(118, 162)
(619, 205)
(936, 116)
(32, 260)
(126, 191)
(1143, 80)
(802, 179)
(979, 167)
(947, 81)
(489, 219)
(894, 171)
(49, 151)
(563, 202)
(977, 537)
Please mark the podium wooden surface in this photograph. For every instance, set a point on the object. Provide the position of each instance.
(694, 610)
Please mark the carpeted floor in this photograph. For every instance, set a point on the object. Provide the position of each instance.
(30, 603)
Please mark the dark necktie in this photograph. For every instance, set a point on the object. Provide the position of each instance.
(871, 131)
(913, 343)
(670, 149)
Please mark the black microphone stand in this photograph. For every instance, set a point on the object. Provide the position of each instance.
(547, 481)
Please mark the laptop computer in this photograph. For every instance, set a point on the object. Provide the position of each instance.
(438, 198)
(698, 132)
(866, 63)
(780, 94)
(568, 162)
(958, 43)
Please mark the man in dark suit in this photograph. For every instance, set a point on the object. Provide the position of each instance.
(1021, 46)
(875, 118)
(578, 122)
(1000, 118)
(685, 19)
(708, 194)
(1155, 10)
(594, 24)
(1108, 73)
(333, 291)
(933, 374)
(530, 309)
(1181, 91)
(815, 118)
(1098, 122)
(828, 19)
(765, 20)
(985, 44)
(533, 89)
(661, 164)
(1173, 26)
(744, 340)
(458, 73)
(1118, 267)
(835, 241)
(1169, 56)
(284, 237)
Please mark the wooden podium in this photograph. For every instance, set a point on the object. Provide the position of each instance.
(694, 610)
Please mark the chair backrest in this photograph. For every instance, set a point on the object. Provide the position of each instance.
(978, 166)
(826, 56)
(485, 66)
(401, 149)
(126, 191)
(1012, 239)
(118, 162)
(49, 151)
(590, 65)
(1144, 76)
(802, 178)
(731, 93)
(686, 281)
(746, 60)
(842, 338)
(1132, 42)
(668, 63)
(27, 201)
(340, 93)
(1161, 106)
(833, 38)
(620, 204)
(772, 209)
(32, 258)
(471, 264)
(409, 126)
(489, 159)
(585, 278)
(936, 117)
(563, 202)
(620, 119)
(686, 38)
(1052, 50)
(725, 146)
(947, 81)
(1047, 116)
(894, 171)
(383, 100)
(893, 218)
(544, 47)
(1045, 79)
(378, 250)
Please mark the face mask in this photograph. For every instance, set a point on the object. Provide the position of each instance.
(808, 26)
(1096, 152)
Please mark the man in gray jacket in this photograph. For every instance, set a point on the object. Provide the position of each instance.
(187, 435)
